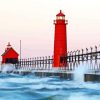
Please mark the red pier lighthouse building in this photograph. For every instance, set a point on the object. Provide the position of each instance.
(10, 55)
(60, 39)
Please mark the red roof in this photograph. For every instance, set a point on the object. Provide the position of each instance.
(6, 51)
(60, 14)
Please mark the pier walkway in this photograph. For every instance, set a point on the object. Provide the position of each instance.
(87, 61)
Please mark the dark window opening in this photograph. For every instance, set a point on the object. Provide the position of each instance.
(11, 60)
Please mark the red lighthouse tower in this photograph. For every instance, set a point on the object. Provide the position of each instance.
(60, 39)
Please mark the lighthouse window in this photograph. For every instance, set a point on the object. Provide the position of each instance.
(63, 17)
(60, 17)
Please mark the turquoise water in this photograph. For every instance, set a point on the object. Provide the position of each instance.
(30, 87)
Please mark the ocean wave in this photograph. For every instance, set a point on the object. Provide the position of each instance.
(29, 87)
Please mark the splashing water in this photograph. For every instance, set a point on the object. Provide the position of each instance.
(30, 87)
(80, 71)
(7, 67)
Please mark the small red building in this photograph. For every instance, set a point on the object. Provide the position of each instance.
(10, 55)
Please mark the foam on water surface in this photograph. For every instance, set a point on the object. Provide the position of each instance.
(7, 67)
(30, 87)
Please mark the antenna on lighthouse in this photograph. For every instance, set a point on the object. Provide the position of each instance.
(20, 49)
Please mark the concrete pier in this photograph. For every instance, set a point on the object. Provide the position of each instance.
(92, 77)
(70, 76)
(55, 74)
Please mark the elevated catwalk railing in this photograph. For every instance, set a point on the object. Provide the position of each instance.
(35, 63)
(88, 58)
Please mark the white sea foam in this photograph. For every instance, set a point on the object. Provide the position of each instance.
(7, 67)
(80, 96)
(80, 71)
